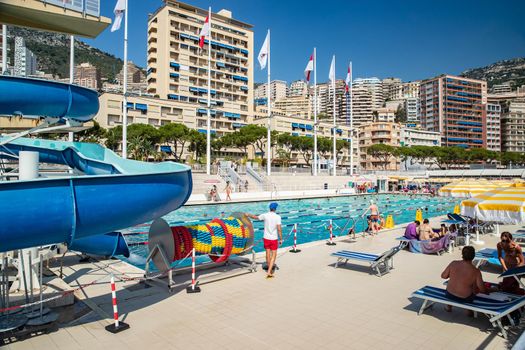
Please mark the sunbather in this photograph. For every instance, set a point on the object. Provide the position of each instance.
(425, 231)
(513, 258)
(465, 280)
(411, 230)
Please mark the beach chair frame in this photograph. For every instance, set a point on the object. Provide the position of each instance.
(380, 264)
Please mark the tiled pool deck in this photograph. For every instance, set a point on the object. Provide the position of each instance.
(308, 305)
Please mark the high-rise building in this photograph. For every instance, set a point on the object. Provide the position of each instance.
(298, 88)
(87, 75)
(410, 89)
(378, 133)
(362, 107)
(294, 106)
(412, 109)
(177, 69)
(455, 107)
(513, 125)
(135, 75)
(392, 89)
(503, 88)
(25, 60)
(375, 87)
(325, 96)
(493, 127)
(278, 90)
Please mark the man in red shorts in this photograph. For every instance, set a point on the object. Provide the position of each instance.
(272, 228)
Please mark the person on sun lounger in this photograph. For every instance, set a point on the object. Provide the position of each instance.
(510, 256)
(425, 231)
(464, 279)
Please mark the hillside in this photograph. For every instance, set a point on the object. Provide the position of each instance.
(500, 72)
(52, 51)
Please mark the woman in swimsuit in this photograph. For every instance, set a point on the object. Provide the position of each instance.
(510, 255)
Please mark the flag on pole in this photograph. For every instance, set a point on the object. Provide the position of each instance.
(205, 31)
(309, 68)
(120, 7)
(331, 76)
(263, 54)
(348, 79)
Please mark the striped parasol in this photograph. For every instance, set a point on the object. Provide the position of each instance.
(471, 188)
(505, 205)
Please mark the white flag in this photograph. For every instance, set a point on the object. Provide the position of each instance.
(120, 7)
(331, 76)
(263, 54)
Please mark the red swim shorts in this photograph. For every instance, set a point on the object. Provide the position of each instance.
(271, 244)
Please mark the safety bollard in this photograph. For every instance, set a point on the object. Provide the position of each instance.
(295, 250)
(331, 241)
(194, 288)
(117, 326)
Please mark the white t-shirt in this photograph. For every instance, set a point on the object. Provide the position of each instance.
(271, 220)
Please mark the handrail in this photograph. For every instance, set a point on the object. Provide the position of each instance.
(250, 171)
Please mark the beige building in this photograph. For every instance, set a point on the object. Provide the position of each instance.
(135, 75)
(178, 68)
(385, 115)
(298, 88)
(157, 112)
(87, 75)
(513, 125)
(378, 133)
(278, 90)
(294, 106)
(301, 127)
(362, 109)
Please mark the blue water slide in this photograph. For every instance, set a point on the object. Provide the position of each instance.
(114, 193)
(44, 98)
(110, 244)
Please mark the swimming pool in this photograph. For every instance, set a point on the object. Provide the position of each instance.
(311, 216)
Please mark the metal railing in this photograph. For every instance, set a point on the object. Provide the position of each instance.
(90, 7)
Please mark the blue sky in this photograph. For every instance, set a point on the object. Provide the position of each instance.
(409, 39)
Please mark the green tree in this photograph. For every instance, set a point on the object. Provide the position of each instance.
(95, 134)
(382, 153)
(197, 143)
(114, 138)
(400, 114)
(140, 148)
(176, 135)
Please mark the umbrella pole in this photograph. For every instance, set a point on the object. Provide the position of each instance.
(477, 241)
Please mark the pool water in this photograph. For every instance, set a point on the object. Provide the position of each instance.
(312, 217)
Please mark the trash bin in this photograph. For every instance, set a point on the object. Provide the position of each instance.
(325, 186)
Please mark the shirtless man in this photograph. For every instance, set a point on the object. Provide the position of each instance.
(425, 231)
(465, 279)
(374, 216)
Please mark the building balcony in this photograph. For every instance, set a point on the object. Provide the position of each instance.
(79, 17)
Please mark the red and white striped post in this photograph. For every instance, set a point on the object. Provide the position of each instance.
(295, 250)
(193, 288)
(117, 326)
(330, 228)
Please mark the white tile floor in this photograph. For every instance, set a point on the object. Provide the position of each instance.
(308, 305)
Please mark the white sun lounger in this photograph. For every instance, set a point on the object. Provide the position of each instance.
(381, 264)
(495, 310)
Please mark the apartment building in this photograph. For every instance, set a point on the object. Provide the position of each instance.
(87, 75)
(392, 89)
(411, 89)
(157, 112)
(177, 69)
(278, 90)
(325, 98)
(362, 107)
(513, 125)
(455, 107)
(412, 109)
(493, 127)
(135, 74)
(503, 88)
(375, 87)
(294, 106)
(378, 133)
(300, 127)
(25, 60)
(418, 137)
(298, 88)
(385, 114)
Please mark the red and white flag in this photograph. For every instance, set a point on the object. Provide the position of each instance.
(205, 31)
(348, 79)
(309, 68)
(265, 51)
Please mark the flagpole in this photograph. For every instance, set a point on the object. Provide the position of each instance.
(351, 122)
(208, 119)
(316, 161)
(125, 90)
(269, 142)
(71, 71)
(334, 146)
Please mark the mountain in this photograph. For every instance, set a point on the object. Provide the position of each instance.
(52, 51)
(512, 70)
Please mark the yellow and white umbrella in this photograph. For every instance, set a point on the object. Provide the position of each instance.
(471, 188)
(504, 205)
